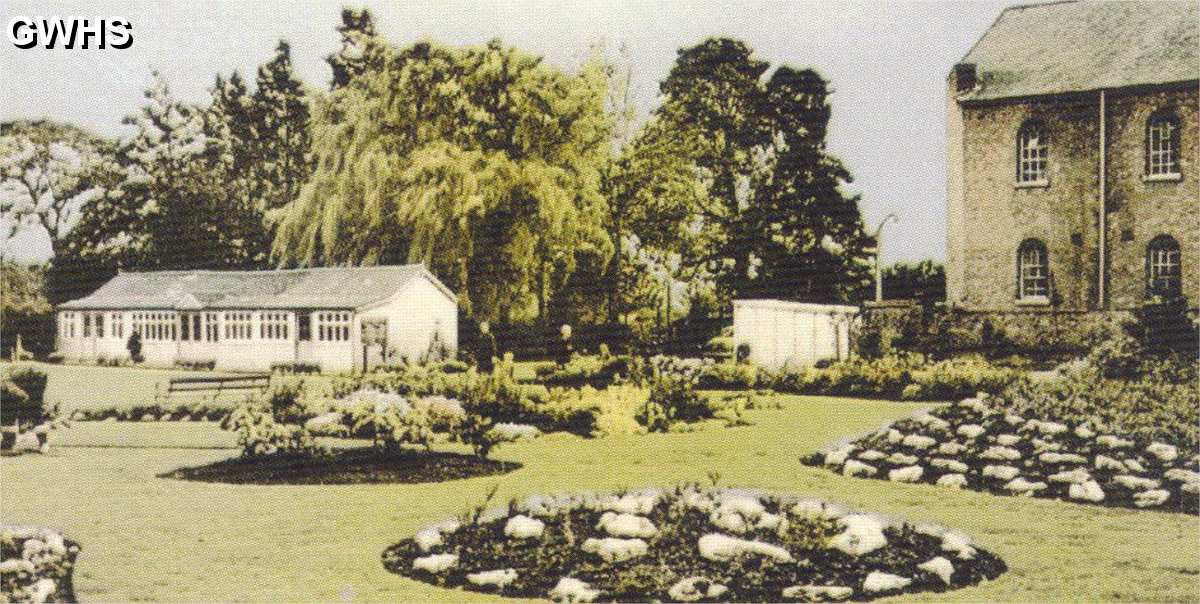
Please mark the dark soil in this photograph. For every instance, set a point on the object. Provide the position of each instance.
(346, 466)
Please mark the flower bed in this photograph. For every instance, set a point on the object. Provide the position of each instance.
(689, 544)
(978, 444)
(36, 565)
(346, 466)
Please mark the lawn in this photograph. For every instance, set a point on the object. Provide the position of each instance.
(148, 538)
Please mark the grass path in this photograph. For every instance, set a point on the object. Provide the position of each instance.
(147, 538)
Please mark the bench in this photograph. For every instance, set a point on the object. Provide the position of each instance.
(216, 385)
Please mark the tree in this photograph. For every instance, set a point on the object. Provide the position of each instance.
(49, 171)
(924, 281)
(480, 162)
(25, 313)
(771, 220)
(282, 129)
(360, 51)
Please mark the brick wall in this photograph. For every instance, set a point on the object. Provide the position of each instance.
(989, 214)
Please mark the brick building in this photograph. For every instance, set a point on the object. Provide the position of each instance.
(1074, 175)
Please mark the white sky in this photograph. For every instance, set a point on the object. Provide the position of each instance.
(887, 62)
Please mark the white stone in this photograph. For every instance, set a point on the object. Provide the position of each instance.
(1150, 499)
(880, 581)
(932, 422)
(42, 590)
(748, 506)
(1084, 432)
(971, 430)
(1114, 442)
(719, 547)
(510, 432)
(858, 468)
(918, 441)
(906, 474)
(1163, 451)
(1182, 475)
(1001, 472)
(329, 424)
(524, 527)
(435, 563)
(1041, 445)
(612, 549)
(626, 525)
(1135, 483)
(862, 534)
(818, 593)
(1013, 419)
(902, 459)
(1086, 491)
(1024, 487)
(951, 448)
(771, 522)
(939, 566)
(497, 578)
(1008, 440)
(692, 589)
(428, 538)
(1051, 428)
(729, 521)
(838, 456)
(953, 481)
(974, 404)
(1104, 462)
(958, 543)
(636, 503)
(872, 455)
(1134, 465)
(949, 464)
(1053, 457)
(573, 590)
(815, 509)
(895, 436)
(27, 442)
(16, 565)
(1001, 454)
(1076, 476)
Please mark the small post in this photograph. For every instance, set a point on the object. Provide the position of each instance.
(878, 250)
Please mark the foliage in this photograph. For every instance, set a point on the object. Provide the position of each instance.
(899, 376)
(481, 162)
(208, 364)
(673, 398)
(392, 425)
(924, 282)
(25, 312)
(597, 371)
(772, 219)
(260, 433)
(476, 431)
(189, 411)
(24, 390)
(134, 346)
(296, 367)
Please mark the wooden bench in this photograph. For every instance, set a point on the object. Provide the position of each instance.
(214, 386)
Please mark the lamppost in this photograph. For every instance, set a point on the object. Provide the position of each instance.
(879, 249)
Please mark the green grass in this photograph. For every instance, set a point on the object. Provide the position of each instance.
(95, 387)
(148, 538)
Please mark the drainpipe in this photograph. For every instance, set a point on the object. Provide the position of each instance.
(1102, 267)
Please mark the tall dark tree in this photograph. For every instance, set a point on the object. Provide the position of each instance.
(282, 130)
(356, 54)
(773, 219)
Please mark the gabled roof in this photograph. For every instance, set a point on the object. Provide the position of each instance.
(341, 287)
(1084, 46)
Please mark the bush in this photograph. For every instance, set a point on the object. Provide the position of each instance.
(595, 371)
(673, 396)
(134, 346)
(206, 365)
(259, 433)
(23, 395)
(728, 376)
(719, 348)
(898, 376)
(296, 367)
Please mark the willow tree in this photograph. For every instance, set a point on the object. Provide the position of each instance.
(481, 162)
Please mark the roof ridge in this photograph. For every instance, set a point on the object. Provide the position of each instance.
(210, 271)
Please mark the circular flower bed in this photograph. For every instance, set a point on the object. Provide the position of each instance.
(345, 466)
(688, 545)
(36, 565)
(977, 445)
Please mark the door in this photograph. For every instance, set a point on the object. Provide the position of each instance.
(374, 342)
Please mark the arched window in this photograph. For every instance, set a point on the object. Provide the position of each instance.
(1164, 275)
(1162, 144)
(1033, 271)
(1032, 151)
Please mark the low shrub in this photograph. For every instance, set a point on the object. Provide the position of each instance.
(38, 565)
(688, 544)
(728, 376)
(719, 348)
(899, 376)
(673, 398)
(597, 371)
(191, 411)
(296, 367)
(204, 365)
(260, 433)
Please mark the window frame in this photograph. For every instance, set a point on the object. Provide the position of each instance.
(1172, 259)
(1028, 290)
(1040, 165)
(333, 325)
(238, 326)
(1159, 170)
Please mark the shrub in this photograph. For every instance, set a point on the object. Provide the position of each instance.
(596, 371)
(205, 365)
(23, 401)
(729, 376)
(476, 432)
(719, 348)
(898, 376)
(673, 396)
(260, 434)
(296, 367)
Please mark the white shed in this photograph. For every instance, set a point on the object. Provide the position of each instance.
(340, 318)
(792, 334)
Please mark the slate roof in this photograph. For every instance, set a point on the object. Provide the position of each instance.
(341, 287)
(1085, 46)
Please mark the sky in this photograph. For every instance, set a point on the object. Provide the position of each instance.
(886, 62)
